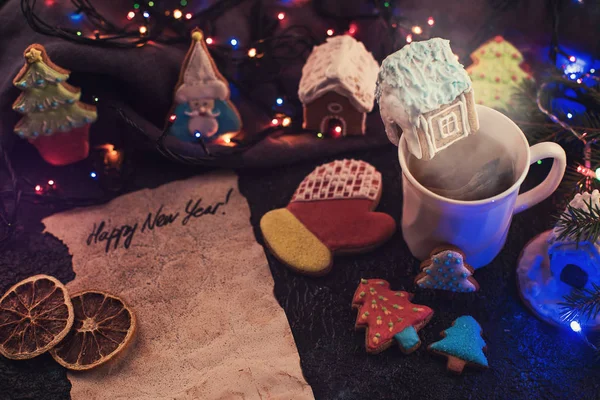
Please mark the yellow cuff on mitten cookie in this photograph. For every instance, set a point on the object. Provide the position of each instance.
(293, 244)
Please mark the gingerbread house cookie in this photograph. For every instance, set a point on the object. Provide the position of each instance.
(337, 87)
(425, 94)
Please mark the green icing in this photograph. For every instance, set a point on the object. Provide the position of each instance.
(425, 75)
(408, 338)
(463, 340)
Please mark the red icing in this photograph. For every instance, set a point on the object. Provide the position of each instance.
(499, 39)
(482, 75)
(344, 224)
(64, 148)
(497, 79)
(498, 54)
(514, 77)
(378, 307)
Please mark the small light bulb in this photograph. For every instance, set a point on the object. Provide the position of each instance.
(197, 134)
(130, 15)
(177, 14)
(79, 33)
(38, 188)
(281, 16)
(579, 81)
(96, 99)
(93, 174)
(227, 140)
(51, 182)
(539, 162)
(173, 117)
(352, 29)
(430, 21)
(209, 40)
(274, 121)
(569, 115)
(319, 135)
(286, 121)
(572, 76)
(252, 53)
(598, 173)
(575, 326)
(338, 129)
(188, 16)
(572, 59)
(330, 32)
(408, 38)
(143, 30)
(417, 30)
(146, 14)
(592, 70)
(150, 4)
(279, 101)
(233, 42)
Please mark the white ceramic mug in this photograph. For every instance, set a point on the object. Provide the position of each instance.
(477, 227)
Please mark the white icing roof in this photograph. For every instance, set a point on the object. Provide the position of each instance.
(343, 65)
(423, 76)
(580, 201)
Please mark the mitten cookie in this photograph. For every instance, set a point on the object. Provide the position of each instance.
(462, 344)
(388, 315)
(447, 270)
(330, 213)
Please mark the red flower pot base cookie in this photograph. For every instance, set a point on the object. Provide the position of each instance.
(330, 213)
(388, 315)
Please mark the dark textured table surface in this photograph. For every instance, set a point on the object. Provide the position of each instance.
(528, 359)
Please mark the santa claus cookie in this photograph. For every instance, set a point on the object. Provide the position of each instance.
(446, 269)
(387, 316)
(202, 110)
(330, 213)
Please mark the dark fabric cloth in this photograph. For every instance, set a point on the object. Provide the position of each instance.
(528, 358)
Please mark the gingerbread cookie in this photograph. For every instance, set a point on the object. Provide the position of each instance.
(425, 94)
(330, 213)
(202, 109)
(497, 72)
(54, 120)
(337, 87)
(462, 344)
(446, 270)
(388, 315)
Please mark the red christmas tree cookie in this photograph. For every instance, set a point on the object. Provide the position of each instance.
(388, 315)
(330, 213)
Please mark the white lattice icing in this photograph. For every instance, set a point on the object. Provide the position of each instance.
(343, 65)
(340, 179)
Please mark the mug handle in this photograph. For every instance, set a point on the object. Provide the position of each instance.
(548, 186)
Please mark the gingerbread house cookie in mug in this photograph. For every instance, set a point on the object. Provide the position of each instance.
(426, 94)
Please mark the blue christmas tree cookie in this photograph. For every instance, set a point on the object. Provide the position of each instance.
(462, 344)
(202, 109)
(446, 269)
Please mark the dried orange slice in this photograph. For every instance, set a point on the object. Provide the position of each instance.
(35, 315)
(103, 327)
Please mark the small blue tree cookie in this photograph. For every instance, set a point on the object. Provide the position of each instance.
(446, 269)
(462, 344)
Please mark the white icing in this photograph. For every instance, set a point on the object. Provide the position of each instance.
(420, 78)
(343, 65)
(200, 79)
(340, 179)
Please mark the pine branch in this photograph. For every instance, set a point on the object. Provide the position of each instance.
(579, 224)
(581, 303)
